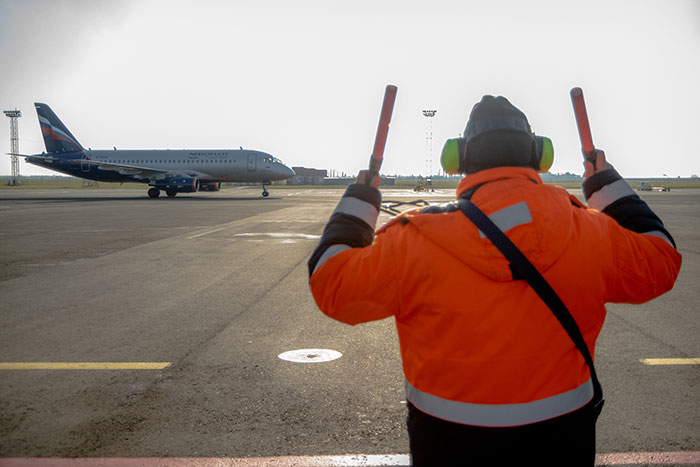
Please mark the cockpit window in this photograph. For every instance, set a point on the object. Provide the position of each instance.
(271, 159)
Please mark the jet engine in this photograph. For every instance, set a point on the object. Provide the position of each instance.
(178, 185)
(210, 186)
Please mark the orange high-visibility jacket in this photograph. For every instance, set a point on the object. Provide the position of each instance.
(478, 347)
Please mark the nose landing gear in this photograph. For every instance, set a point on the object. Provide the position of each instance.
(265, 193)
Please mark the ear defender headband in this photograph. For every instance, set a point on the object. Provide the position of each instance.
(455, 148)
(455, 154)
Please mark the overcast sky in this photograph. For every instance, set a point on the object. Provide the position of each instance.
(303, 80)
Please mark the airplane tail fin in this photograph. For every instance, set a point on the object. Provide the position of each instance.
(57, 138)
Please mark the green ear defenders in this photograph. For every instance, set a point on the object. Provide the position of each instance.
(545, 153)
(455, 149)
(451, 152)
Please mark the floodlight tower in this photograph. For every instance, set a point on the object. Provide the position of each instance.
(429, 139)
(14, 145)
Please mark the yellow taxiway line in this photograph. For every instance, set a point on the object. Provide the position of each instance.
(376, 460)
(84, 365)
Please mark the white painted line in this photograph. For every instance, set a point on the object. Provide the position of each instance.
(287, 221)
(133, 230)
(205, 233)
(278, 235)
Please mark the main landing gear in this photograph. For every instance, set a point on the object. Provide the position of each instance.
(155, 192)
(265, 193)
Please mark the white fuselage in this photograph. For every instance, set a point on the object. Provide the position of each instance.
(225, 165)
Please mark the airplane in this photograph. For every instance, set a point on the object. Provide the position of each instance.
(171, 170)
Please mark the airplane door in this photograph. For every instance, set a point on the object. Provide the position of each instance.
(251, 161)
(83, 166)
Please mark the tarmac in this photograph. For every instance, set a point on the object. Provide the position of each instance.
(149, 330)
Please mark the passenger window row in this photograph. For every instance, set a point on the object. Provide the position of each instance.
(170, 161)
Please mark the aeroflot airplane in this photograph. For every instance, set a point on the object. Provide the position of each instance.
(173, 171)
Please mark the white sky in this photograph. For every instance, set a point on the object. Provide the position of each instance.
(303, 80)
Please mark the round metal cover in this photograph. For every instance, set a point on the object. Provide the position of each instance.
(310, 355)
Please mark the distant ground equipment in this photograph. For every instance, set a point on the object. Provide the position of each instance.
(644, 186)
(423, 184)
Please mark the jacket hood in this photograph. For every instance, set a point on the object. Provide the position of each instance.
(537, 218)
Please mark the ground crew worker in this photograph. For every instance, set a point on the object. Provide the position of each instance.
(491, 376)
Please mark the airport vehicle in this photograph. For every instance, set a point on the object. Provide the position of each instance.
(644, 186)
(171, 170)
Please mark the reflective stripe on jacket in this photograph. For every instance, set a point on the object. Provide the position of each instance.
(479, 347)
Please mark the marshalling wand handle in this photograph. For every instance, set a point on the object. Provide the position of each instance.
(375, 161)
(584, 127)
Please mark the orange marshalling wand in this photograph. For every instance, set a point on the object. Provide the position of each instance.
(375, 161)
(584, 128)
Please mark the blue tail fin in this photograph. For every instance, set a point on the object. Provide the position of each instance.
(57, 138)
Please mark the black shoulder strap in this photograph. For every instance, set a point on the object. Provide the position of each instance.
(527, 271)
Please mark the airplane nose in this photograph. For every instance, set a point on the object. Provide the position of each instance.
(282, 172)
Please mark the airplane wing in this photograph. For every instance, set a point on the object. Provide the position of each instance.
(138, 171)
(125, 169)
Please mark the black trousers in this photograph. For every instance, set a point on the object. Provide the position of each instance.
(567, 441)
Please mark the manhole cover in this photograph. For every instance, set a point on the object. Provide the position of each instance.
(310, 355)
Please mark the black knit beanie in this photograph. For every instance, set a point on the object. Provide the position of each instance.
(497, 135)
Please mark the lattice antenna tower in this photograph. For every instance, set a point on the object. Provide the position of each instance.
(429, 139)
(14, 145)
